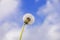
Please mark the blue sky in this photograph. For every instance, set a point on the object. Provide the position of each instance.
(31, 6)
(45, 27)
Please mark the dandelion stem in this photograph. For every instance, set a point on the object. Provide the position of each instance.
(21, 33)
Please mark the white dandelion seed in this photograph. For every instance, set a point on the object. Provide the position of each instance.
(28, 18)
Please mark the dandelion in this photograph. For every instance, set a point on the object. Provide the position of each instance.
(28, 19)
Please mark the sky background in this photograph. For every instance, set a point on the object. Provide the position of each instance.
(45, 27)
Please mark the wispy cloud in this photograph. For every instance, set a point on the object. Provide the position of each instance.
(52, 20)
(12, 35)
(8, 29)
(7, 7)
(36, 0)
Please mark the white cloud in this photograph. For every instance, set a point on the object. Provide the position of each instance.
(12, 35)
(52, 20)
(7, 7)
(6, 28)
(53, 32)
(50, 7)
